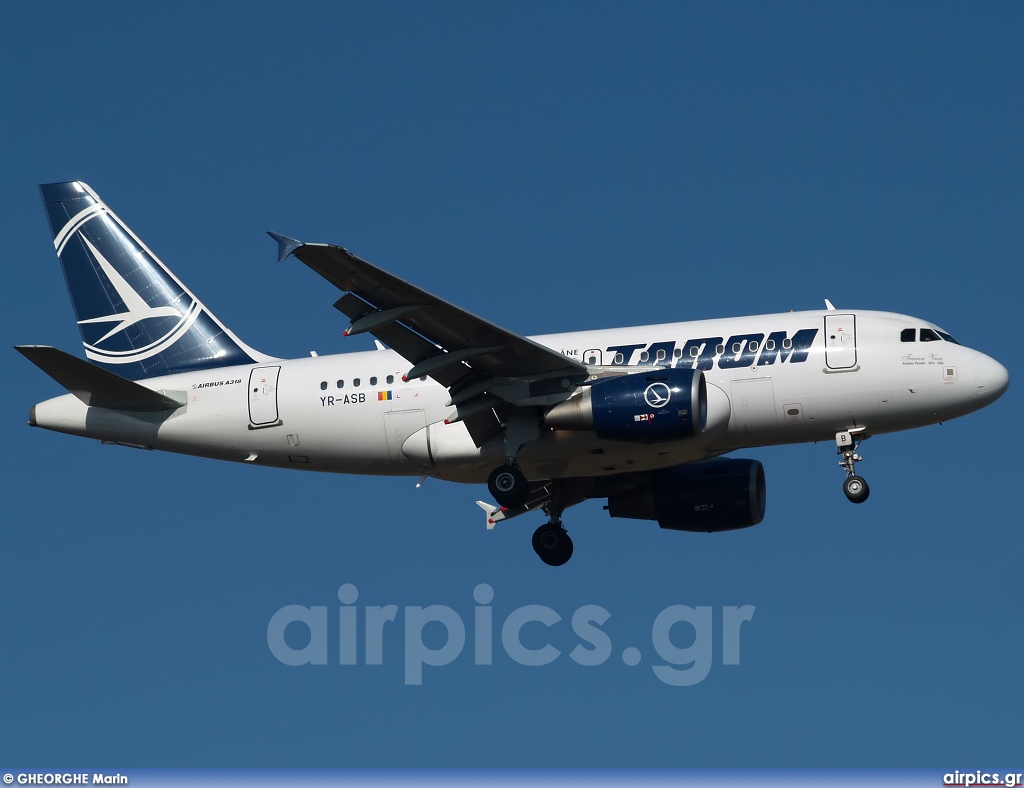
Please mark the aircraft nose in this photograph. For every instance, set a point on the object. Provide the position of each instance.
(991, 379)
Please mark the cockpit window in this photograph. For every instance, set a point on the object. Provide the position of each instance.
(928, 335)
(948, 338)
(908, 335)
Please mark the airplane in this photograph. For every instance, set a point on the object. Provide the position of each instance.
(640, 416)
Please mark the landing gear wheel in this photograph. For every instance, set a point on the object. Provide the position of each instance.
(856, 489)
(508, 486)
(552, 544)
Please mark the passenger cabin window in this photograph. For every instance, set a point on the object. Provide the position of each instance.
(678, 352)
(618, 358)
(769, 345)
(323, 385)
(694, 351)
(907, 335)
(660, 355)
(787, 344)
(391, 379)
(645, 357)
(355, 382)
(341, 384)
(719, 350)
(927, 335)
(373, 381)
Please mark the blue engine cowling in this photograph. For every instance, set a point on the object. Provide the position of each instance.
(662, 405)
(645, 407)
(715, 495)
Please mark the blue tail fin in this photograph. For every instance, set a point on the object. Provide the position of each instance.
(137, 319)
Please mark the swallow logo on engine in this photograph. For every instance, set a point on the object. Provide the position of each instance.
(657, 395)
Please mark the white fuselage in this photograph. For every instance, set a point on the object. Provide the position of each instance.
(351, 413)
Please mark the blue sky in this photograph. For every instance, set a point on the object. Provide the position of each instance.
(551, 166)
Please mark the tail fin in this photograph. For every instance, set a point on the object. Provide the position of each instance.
(137, 319)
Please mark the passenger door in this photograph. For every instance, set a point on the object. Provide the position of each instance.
(840, 341)
(263, 397)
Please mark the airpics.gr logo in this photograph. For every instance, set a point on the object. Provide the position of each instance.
(163, 325)
(298, 635)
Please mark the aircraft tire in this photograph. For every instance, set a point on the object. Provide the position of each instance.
(856, 489)
(552, 544)
(508, 486)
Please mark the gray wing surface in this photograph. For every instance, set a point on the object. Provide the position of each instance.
(478, 361)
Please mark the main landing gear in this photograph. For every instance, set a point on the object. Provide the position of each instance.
(508, 486)
(855, 488)
(552, 543)
(511, 489)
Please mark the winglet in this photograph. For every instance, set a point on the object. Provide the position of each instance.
(285, 245)
(828, 306)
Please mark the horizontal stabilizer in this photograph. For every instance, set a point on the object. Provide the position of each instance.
(95, 386)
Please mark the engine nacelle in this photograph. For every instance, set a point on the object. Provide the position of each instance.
(644, 407)
(715, 495)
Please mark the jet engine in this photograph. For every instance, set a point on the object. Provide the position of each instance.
(645, 407)
(714, 495)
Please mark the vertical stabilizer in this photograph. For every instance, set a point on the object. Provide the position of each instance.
(137, 319)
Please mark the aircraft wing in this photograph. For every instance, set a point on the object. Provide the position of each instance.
(481, 363)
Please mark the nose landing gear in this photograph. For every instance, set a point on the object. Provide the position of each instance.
(855, 488)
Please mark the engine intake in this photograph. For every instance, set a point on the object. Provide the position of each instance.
(644, 407)
(715, 495)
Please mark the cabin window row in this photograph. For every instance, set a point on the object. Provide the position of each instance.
(737, 347)
(356, 382)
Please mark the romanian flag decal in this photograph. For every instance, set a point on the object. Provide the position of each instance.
(384, 396)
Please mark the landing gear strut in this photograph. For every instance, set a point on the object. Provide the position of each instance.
(508, 486)
(552, 543)
(855, 488)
